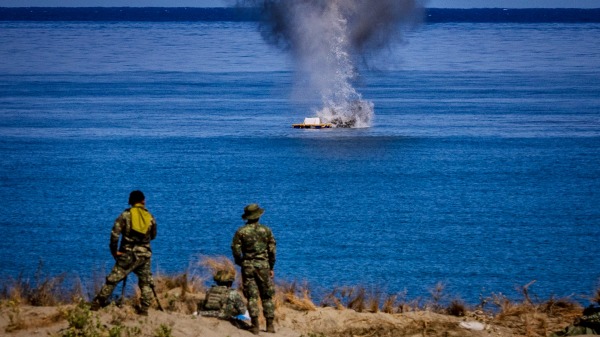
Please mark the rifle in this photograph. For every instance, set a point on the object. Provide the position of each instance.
(156, 296)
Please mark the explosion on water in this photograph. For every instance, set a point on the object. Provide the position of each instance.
(326, 38)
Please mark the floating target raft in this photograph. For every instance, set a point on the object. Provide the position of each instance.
(312, 123)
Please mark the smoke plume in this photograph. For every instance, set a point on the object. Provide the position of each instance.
(326, 39)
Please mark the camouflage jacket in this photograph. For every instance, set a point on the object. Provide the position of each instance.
(131, 240)
(254, 244)
(591, 318)
(229, 303)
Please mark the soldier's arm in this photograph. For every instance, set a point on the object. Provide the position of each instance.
(238, 303)
(115, 234)
(272, 250)
(153, 229)
(210, 313)
(236, 248)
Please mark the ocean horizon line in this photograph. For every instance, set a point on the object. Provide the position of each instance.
(165, 14)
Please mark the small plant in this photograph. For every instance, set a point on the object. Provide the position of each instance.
(115, 330)
(389, 303)
(457, 308)
(119, 330)
(15, 321)
(82, 323)
(133, 331)
(163, 331)
(374, 300)
(357, 298)
(437, 296)
(561, 306)
(402, 301)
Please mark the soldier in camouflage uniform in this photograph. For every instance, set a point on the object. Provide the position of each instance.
(253, 250)
(587, 324)
(136, 227)
(223, 302)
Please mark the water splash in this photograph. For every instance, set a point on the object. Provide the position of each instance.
(325, 38)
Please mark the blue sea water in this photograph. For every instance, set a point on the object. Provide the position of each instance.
(481, 169)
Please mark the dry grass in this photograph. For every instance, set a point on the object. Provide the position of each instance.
(96, 282)
(217, 263)
(438, 295)
(596, 297)
(534, 318)
(355, 298)
(526, 316)
(294, 296)
(43, 290)
(457, 308)
(191, 280)
(359, 299)
(389, 304)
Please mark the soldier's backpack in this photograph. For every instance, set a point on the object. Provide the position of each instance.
(216, 297)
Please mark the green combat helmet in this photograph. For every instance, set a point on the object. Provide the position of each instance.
(224, 276)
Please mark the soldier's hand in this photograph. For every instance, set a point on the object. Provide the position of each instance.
(272, 273)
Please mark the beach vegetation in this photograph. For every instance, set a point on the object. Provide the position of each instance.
(525, 315)
(457, 307)
(43, 290)
(163, 330)
(82, 322)
(294, 295)
(15, 320)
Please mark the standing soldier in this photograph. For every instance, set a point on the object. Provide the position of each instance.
(253, 250)
(137, 227)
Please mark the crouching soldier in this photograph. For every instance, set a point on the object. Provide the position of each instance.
(223, 302)
(136, 227)
(587, 324)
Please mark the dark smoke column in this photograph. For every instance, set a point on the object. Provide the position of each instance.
(326, 37)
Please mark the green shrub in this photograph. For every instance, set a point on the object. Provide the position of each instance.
(163, 331)
(82, 323)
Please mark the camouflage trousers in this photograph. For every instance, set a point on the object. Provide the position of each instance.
(124, 265)
(258, 284)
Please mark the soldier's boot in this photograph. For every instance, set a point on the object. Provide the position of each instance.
(255, 328)
(141, 310)
(97, 304)
(270, 327)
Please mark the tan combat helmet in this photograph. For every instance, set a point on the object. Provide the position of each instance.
(224, 276)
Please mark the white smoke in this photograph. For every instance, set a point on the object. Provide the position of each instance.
(323, 54)
(326, 37)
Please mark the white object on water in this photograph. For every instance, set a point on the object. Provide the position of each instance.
(312, 121)
(472, 325)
